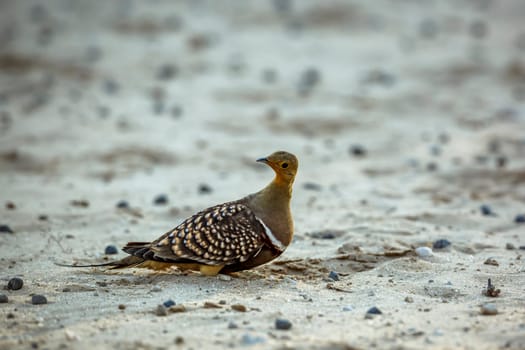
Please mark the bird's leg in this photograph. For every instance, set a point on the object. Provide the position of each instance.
(210, 270)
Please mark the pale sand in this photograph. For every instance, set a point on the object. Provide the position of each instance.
(440, 85)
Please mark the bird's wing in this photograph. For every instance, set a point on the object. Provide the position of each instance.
(221, 235)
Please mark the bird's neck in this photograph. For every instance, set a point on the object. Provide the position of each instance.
(272, 205)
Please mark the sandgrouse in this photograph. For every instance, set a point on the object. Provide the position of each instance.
(228, 237)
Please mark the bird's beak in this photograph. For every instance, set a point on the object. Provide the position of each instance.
(262, 160)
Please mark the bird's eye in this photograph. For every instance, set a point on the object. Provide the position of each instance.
(284, 165)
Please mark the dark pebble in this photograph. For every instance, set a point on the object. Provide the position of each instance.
(168, 303)
(204, 189)
(43, 217)
(520, 219)
(333, 276)
(110, 86)
(357, 151)
(232, 325)
(15, 283)
(38, 299)
(161, 199)
(282, 323)
(501, 161)
(486, 210)
(478, 29)
(167, 72)
(176, 111)
(441, 243)
(122, 307)
(5, 229)
(312, 186)
(10, 205)
(110, 250)
(3, 298)
(428, 29)
(179, 340)
(269, 76)
(374, 311)
(122, 204)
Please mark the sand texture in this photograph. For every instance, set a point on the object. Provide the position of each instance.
(408, 119)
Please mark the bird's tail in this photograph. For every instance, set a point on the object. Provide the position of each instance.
(139, 254)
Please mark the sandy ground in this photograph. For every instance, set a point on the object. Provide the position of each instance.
(406, 117)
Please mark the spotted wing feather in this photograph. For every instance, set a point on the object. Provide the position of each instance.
(221, 235)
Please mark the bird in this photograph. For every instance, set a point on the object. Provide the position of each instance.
(228, 237)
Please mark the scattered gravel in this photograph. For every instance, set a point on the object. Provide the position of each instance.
(248, 339)
(357, 151)
(161, 199)
(520, 219)
(239, 307)
(122, 204)
(15, 283)
(110, 250)
(441, 244)
(334, 276)
(38, 299)
(283, 324)
(491, 261)
(5, 229)
(374, 311)
(168, 303)
(161, 311)
(486, 210)
(424, 252)
(489, 309)
(205, 189)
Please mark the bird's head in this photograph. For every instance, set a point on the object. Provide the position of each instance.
(283, 163)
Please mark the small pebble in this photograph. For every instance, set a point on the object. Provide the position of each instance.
(204, 189)
(232, 325)
(179, 340)
(489, 309)
(167, 72)
(122, 307)
(520, 219)
(156, 289)
(38, 299)
(10, 205)
(312, 186)
(15, 283)
(248, 339)
(177, 308)
(43, 217)
(283, 324)
(5, 229)
(161, 311)
(81, 203)
(110, 250)
(409, 300)
(441, 244)
(3, 298)
(224, 277)
(239, 307)
(510, 246)
(168, 303)
(374, 311)
(122, 204)
(424, 252)
(161, 199)
(491, 261)
(357, 151)
(486, 210)
(334, 276)
(348, 308)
